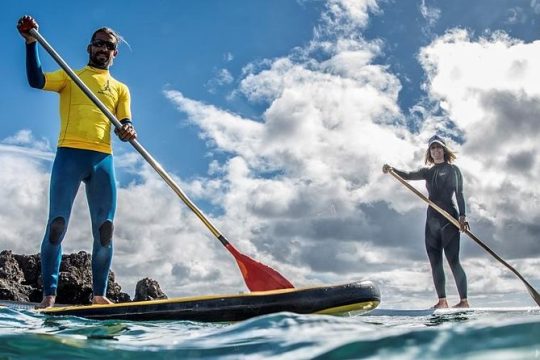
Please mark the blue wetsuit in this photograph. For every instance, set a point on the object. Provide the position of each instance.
(442, 182)
(71, 167)
(96, 170)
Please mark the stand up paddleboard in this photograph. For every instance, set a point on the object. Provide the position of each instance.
(358, 297)
(453, 311)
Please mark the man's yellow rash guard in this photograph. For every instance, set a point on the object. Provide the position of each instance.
(83, 125)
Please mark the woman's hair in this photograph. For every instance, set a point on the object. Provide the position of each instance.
(449, 156)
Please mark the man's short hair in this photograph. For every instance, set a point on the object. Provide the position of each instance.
(109, 31)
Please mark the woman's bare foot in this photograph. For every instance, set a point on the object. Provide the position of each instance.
(442, 304)
(47, 302)
(462, 304)
(101, 300)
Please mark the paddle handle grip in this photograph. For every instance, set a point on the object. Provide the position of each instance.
(144, 153)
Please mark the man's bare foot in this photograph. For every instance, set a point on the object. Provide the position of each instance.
(462, 304)
(442, 304)
(101, 300)
(47, 302)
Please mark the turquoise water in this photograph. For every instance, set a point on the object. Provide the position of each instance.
(383, 334)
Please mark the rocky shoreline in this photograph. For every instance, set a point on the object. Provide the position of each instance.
(20, 280)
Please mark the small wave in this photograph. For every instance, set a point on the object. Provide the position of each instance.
(502, 335)
(513, 340)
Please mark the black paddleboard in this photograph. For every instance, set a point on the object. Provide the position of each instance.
(360, 296)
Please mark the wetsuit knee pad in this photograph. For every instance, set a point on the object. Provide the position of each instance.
(105, 233)
(56, 230)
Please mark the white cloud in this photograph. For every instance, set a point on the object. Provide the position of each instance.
(431, 14)
(23, 190)
(25, 138)
(344, 17)
(491, 96)
(157, 236)
(516, 15)
(535, 5)
(299, 179)
(228, 57)
(222, 77)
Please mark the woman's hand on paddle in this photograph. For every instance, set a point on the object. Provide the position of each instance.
(24, 25)
(463, 224)
(386, 168)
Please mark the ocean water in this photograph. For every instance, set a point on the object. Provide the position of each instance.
(382, 334)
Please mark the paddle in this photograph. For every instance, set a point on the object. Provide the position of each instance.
(532, 291)
(257, 276)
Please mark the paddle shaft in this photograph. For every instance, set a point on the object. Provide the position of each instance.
(535, 295)
(144, 153)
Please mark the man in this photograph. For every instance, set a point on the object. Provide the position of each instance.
(84, 154)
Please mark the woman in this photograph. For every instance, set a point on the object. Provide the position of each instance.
(443, 180)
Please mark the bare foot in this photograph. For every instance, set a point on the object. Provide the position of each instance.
(442, 304)
(101, 300)
(47, 302)
(462, 304)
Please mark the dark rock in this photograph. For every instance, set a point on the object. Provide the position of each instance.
(75, 279)
(14, 291)
(20, 279)
(114, 292)
(30, 266)
(9, 268)
(148, 289)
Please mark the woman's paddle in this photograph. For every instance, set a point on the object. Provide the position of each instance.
(257, 276)
(532, 291)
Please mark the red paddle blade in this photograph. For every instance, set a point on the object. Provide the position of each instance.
(258, 277)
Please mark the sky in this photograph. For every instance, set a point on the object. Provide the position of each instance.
(275, 118)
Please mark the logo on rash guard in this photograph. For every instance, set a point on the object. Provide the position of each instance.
(106, 90)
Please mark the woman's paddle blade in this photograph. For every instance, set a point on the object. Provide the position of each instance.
(258, 277)
(534, 294)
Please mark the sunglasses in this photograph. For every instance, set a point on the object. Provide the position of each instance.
(101, 43)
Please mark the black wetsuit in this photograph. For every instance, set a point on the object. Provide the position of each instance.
(442, 182)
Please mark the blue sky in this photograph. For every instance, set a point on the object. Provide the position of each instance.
(276, 117)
